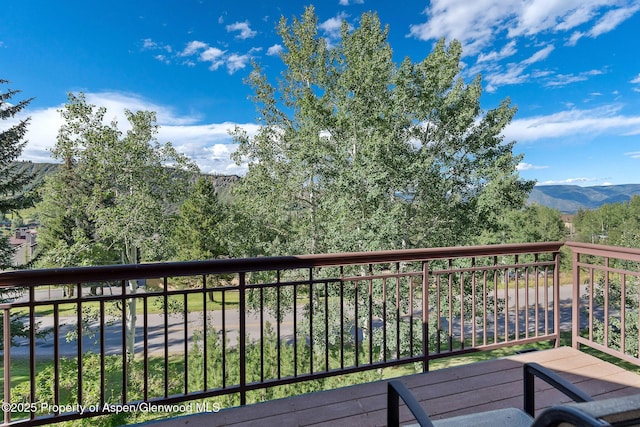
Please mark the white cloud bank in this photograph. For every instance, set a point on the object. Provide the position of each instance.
(478, 23)
(573, 122)
(209, 145)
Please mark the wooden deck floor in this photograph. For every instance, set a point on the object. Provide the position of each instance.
(443, 393)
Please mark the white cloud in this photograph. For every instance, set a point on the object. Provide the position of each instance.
(636, 80)
(633, 154)
(149, 44)
(209, 145)
(275, 50)
(477, 24)
(515, 74)
(162, 58)
(558, 80)
(540, 55)
(245, 32)
(194, 47)
(217, 57)
(573, 40)
(569, 181)
(237, 62)
(347, 2)
(332, 26)
(522, 166)
(214, 56)
(572, 123)
(508, 50)
(612, 19)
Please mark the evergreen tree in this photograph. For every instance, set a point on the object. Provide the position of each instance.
(13, 181)
(199, 230)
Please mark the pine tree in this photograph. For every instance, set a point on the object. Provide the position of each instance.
(13, 179)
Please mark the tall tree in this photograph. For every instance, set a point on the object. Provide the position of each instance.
(199, 230)
(358, 153)
(126, 187)
(14, 185)
(13, 181)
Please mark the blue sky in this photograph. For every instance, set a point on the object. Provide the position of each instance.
(571, 66)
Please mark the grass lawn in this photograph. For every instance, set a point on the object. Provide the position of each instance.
(195, 303)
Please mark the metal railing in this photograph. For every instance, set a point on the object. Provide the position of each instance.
(130, 335)
(606, 296)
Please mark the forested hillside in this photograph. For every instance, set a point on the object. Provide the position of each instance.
(222, 183)
(570, 198)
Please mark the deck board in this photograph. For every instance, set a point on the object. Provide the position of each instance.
(443, 393)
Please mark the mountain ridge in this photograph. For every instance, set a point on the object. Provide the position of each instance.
(569, 199)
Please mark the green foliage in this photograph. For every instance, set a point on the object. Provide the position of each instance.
(15, 181)
(534, 223)
(15, 185)
(220, 367)
(114, 193)
(613, 336)
(358, 153)
(616, 224)
(199, 231)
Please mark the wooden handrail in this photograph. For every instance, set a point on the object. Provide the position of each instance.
(71, 275)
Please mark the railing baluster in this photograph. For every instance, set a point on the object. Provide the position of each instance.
(398, 316)
(473, 302)
(517, 298)
(484, 307)
(262, 334)
(623, 313)
(56, 354)
(462, 334)
(278, 324)
(591, 303)
(355, 323)
(450, 299)
(205, 332)
(370, 320)
(311, 321)
(185, 301)
(411, 314)
(224, 341)
(505, 278)
(165, 300)
(80, 352)
(295, 331)
(438, 314)
(145, 349)
(341, 317)
(6, 346)
(384, 319)
(556, 296)
(495, 300)
(526, 302)
(326, 326)
(606, 302)
(243, 338)
(425, 316)
(102, 355)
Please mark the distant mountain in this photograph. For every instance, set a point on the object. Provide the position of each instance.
(222, 183)
(39, 170)
(569, 198)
